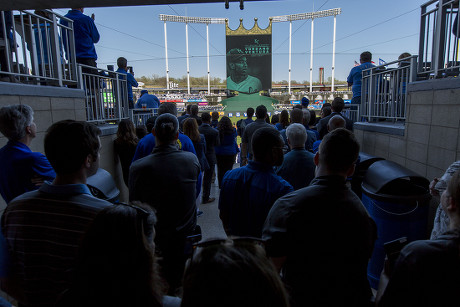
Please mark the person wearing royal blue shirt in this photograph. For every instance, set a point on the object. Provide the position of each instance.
(147, 144)
(150, 101)
(123, 69)
(21, 169)
(355, 77)
(86, 35)
(247, 193)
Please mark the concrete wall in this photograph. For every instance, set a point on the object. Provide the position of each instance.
(429, 141)
(52, 104)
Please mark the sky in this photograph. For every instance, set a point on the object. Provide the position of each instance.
(385, 28)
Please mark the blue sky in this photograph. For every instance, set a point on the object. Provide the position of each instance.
(386, 28)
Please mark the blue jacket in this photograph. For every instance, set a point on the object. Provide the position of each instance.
(147, 144)
(131, 82)
(85, 33)
(19, 165)
(151, 101)
(246, 196)
(227, 145)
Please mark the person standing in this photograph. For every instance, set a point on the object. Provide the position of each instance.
(166, 180)
(122, 64)
(298, 167)
(337, 106)
(86, 35)
(246, 140)
(227, 150)
(242, 123)
(125, 146)
(212, 140)
(247, 193)
(321, 237)
(21, 169)
(355, 78)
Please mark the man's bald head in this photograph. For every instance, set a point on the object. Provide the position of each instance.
(335, 122)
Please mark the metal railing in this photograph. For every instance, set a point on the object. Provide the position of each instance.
(140, 116)
(383, 91)
(352, 112)
(106, 95)
(32, 49)
(438, 44)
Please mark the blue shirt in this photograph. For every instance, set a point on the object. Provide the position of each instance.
(85, 33)
(131, 82)
(316, 146)
(246, 196)
(151, 101)
(356, 77)
(19, 165)
(227, 145)
(147, 144)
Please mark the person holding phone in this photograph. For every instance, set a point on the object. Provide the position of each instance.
(427, 272)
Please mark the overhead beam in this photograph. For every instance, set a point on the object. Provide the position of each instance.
(8, 5)
(306, 16)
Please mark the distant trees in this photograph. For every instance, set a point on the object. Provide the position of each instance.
(160, 81)
(157, 81)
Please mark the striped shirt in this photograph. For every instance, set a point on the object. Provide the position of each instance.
(43, 230)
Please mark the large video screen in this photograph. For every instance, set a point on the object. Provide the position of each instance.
(249, 63)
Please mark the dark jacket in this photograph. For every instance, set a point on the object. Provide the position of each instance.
(322, 124)
(212, 139)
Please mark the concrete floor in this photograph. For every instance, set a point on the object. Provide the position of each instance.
(210, 223)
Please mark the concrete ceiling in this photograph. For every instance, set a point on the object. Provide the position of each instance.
(54, 4)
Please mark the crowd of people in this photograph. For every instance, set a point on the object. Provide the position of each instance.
(297, 234)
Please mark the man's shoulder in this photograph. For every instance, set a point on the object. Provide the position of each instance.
(184, 138)
(208, 130)
(33, 198)
(148, 139)
(325, 120)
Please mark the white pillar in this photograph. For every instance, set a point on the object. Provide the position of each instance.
(311, 54)
(166, 53)
(290, 45)
(333, 54)
(207, 50)
(188, 64)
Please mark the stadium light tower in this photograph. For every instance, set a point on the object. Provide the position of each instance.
(187, 20)
(312, 16)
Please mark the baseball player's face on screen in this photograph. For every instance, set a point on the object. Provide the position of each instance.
(241, 66)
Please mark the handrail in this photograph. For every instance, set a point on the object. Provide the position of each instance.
(37, 58)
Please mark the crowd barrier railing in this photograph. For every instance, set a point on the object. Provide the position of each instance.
(140, 116)
(33, 48)
(439, 39)
(106, 94)
(383, 91)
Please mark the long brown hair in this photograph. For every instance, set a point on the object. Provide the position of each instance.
(225, 127)
(284, 118)
(190, 128)
(117, 257)
(126, 132)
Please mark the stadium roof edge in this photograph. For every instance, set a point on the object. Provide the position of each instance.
(7, 5)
